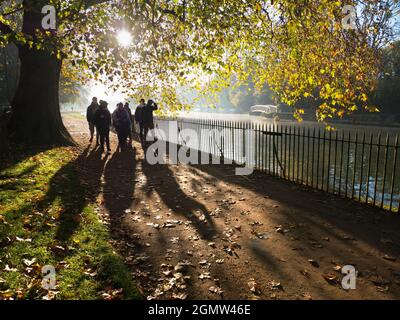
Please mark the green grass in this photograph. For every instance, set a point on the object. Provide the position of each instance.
(46, 219)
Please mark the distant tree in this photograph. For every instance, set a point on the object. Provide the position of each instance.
(387, 94)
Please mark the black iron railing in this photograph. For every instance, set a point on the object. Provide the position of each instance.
(357, 164)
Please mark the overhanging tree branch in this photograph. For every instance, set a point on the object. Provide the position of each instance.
(5, 28)
(90, 3)
(19, 8)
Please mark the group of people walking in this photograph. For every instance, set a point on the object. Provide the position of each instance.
(101, 121)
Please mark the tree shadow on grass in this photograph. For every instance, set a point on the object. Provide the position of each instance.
(61, 211)
(19, 154)
(67, 191)
(15, 181)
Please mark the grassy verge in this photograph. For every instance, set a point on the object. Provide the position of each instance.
(46, 220)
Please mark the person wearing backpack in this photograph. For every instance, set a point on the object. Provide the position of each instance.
(122, 124)
(102, 120)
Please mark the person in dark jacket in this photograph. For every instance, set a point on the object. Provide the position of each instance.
(128, 109)
(90, 111)
(102, 120)
(138, 118)
(147, 117)
(122, 124)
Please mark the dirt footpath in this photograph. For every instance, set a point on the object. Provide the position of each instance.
(200, 232)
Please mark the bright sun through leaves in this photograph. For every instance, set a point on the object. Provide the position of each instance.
(124, 38)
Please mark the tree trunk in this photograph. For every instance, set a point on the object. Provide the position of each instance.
(36, 117)
(4, 146)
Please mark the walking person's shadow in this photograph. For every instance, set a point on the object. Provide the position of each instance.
(119, 184)
(161, 177)
(65, 188)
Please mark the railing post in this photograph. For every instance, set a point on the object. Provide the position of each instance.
(396, 146)
(290, 153)
(354, 167)
(369, 166)
(318, 157)
(323, 160)
(347, 165)
(385, 170)
(312, 159)
(377, 168)
(362, 167)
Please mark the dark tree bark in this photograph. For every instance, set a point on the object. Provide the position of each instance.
(4, 145)
(36, 117)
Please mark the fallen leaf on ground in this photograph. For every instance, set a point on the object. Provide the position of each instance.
(383, 289)
(179, 296)
(331, 278)
(313, 263)
(345, 237)
(22, 240)
(216, 290)
(205, 275)
(7, 268)
(203, 262)
(28, 262)
(379, 281)
(6, 295)
(305, 273)
(276, 285)
(263, 235)
(175, 240)
(254, 287)
(337, 268)
(154, 225)
(389, 258)
(306, 296)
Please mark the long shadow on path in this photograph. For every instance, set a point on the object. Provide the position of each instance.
(162, 178)
(72, 201)
(119, 185)
(355, 234)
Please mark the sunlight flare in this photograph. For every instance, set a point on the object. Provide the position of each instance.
(124, 38)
